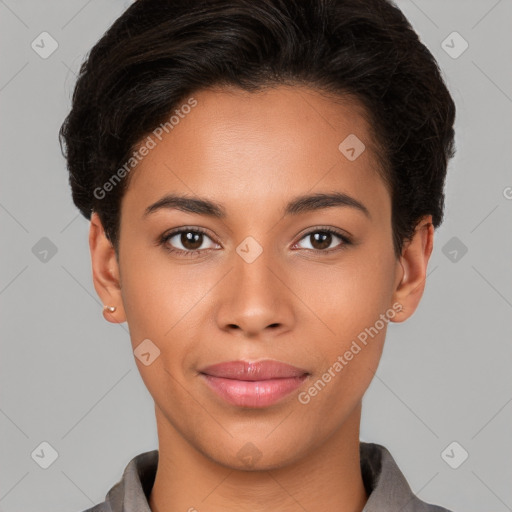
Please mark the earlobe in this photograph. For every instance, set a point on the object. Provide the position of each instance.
(105, 272)
(413, 261)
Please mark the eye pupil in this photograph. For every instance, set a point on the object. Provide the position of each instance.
(325, 240)
(195, 239)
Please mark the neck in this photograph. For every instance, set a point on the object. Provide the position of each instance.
(328, 478)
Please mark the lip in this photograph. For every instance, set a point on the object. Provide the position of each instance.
(253, 384)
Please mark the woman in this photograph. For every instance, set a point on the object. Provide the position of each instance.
(263, 180)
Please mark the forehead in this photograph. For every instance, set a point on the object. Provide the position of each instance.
(254, 147)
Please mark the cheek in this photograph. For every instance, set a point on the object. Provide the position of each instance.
(156, 292)
(347, 297)
(353, 302)
(158, 303)
(167, 303)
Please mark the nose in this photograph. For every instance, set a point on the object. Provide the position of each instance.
(255, 299)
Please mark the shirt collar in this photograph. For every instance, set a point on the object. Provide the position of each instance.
(385, 484)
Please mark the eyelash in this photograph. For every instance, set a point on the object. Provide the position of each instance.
(167, 236)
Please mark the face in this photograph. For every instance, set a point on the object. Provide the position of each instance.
(283, 252)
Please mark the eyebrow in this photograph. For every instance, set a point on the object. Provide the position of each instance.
(298, 205)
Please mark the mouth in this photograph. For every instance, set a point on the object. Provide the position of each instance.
(258, 384)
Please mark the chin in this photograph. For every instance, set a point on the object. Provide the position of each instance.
(254, 455)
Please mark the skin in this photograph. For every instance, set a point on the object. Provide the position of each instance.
(253, 153)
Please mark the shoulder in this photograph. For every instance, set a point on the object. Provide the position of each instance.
(130, 493)
(386, 485)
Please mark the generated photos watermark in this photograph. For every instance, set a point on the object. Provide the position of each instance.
(304, 397)
(144, 149)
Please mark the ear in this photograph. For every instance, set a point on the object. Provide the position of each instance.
(413, 272)
(105, 271)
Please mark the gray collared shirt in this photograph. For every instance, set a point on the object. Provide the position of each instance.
(386, 486)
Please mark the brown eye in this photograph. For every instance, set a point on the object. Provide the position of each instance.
(187, 241)
(323, 239)
(191, 240)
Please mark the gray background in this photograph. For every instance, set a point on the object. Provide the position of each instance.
(69, 378)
